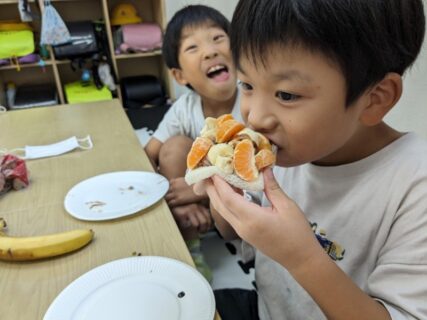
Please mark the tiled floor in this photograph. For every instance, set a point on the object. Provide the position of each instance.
(227, 273)
(143, 135)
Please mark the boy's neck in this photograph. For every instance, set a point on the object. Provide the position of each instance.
(366, 142)
(215, 108)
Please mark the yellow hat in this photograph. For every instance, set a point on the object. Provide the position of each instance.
(10, 25)
(125, 13)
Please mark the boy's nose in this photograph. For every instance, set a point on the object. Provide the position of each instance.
(258, 117)
(210, 52)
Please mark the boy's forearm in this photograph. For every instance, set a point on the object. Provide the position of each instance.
(335, 293)
(224, 228)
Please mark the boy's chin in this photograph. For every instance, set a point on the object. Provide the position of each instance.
(226, 94)
(226, 86)
(284, 160)
(223, 91)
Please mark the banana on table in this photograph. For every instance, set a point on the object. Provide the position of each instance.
(39, 247)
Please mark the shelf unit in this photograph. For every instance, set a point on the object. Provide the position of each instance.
(59, 72)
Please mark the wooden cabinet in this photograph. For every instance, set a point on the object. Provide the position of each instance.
(59, 72)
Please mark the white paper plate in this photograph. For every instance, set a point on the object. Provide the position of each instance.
(114, 195)
(149, 288)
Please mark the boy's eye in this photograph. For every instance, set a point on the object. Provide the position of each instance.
(218, 37)
(245, 86)
(190, 48)
(285, 96)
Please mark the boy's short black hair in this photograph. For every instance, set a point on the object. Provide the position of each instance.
(366, 38)
(189, 16)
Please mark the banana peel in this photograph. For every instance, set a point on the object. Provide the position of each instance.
(40, 247)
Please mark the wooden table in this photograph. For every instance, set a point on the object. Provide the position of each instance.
(27, 289)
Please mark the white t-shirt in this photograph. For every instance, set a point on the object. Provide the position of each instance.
(376, 210)
(185, 117)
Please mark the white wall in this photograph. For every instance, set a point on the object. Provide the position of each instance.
(225, 6)
(410, 114)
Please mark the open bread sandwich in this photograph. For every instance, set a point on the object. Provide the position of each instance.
(230, 150)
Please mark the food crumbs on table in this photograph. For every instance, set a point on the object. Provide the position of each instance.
(95, 204)
(181, 294)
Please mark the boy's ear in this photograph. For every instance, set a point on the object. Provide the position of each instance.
(179, 76)
(381, 99)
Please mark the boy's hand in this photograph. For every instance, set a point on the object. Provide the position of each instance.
(193, 216)
(181, 193)
(280, 231)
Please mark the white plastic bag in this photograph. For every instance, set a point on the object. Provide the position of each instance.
(54, 31)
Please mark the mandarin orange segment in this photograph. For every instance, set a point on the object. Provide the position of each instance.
(198, 151)
(264, 158)
(244, 160)
(227, 129)
(223, 118)
(263, 142)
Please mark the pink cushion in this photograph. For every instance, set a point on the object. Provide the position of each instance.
(141, 37)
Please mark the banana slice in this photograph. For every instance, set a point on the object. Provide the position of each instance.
(209, 129)
(220, 149)
(221, 155)
(225, 164)
(254, 136)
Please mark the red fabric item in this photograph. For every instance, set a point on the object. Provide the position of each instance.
(13, 173)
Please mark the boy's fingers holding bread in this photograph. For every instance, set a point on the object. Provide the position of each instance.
(214, 197)
(272, 188)
(218, 204)
(199, 188)
(233, 202)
